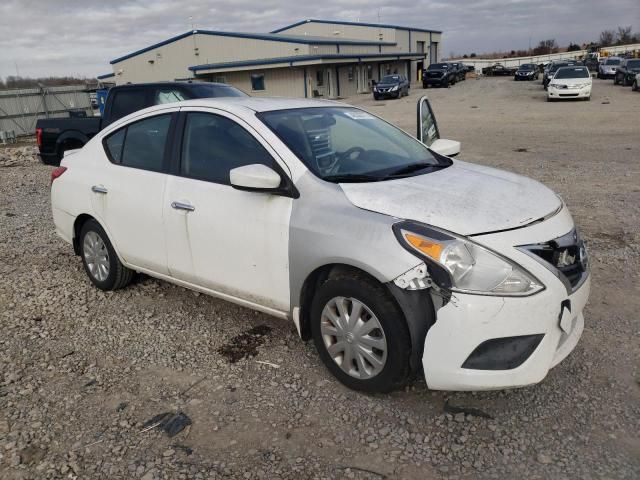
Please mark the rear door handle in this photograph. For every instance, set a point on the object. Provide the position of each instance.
(183, 206)
(99, 189)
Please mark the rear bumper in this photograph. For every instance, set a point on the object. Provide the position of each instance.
(49, 158)
(63, 222)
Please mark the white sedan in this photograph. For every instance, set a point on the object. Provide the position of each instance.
(570, 83)
(391, 256)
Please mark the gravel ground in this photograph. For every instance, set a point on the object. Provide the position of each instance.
(81, 371)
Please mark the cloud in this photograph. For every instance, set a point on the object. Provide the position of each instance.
(65, 37)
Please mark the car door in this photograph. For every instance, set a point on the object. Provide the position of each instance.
(128, 193)
(230, 241)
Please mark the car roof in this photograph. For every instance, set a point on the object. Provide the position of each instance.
(256, 104)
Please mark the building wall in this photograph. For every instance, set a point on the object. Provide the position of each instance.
(278, 82)
(172, 61)
(333, 30)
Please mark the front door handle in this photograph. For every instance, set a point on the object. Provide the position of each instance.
(98, 189)
(183, 206)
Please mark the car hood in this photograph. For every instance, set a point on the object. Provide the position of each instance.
(571, 81)
(464, 198)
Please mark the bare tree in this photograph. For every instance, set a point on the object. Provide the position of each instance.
(545, 47)
(607, 37)
(624, 35)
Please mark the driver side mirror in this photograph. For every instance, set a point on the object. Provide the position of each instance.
(429, 134)
(255, 177)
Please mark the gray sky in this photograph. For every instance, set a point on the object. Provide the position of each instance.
(67, 37)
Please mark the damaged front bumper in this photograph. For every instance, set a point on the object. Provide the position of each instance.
(483, 342)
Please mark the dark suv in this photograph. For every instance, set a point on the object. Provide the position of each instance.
(439, 75)
(527, 71)
(627, 71)
(394, 86)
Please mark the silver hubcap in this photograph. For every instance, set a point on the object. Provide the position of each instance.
(96, 256)
(353, 336)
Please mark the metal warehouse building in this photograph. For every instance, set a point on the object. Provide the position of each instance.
(306, 59)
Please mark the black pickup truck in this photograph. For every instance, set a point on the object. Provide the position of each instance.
(57, 135)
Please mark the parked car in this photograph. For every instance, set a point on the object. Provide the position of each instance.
(607, 67)
(498, 70)
(570, 82)
(553, 68)
(636, 82)
(626, 71)
(391, 256)
(469, 68)
(439, 75)
(55, 136)
(527, 71)
(394, 86)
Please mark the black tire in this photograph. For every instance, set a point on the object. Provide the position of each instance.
(119, 276)
(425, 85)
(376, 97)
(378, 300)
(615, 80)
(625, 81)
(634, 87)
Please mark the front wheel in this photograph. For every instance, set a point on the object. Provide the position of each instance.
(101, 263)
(634, 87)
(361, 334)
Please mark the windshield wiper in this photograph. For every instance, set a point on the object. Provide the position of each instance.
(414, 167)
(352, 177)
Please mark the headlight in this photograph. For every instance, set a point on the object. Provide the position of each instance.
(394, 88)
(557, 85)
(470, 267)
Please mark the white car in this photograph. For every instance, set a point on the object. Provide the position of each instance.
(389, 255)
(570, 83)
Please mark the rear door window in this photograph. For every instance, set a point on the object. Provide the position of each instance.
(141, 144)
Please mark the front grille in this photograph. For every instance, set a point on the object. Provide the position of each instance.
(566, 256)
(434, 74)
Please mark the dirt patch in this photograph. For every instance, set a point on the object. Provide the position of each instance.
(245, 345)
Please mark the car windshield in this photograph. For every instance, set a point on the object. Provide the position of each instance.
(438, 66)
(633, 63)
(558, 65)
(390, 79)
(527, 66)
(207, 90)
(612, 61)
(342, 144)
(573, 72)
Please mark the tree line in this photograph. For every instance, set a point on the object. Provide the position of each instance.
(14, 81)
(608, 38)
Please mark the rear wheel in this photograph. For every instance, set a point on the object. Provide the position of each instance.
(360, 333)
(100, 260)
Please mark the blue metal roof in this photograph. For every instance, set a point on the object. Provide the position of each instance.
(303, 39)
(340, 22)
(302, 58)
(106, 75)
